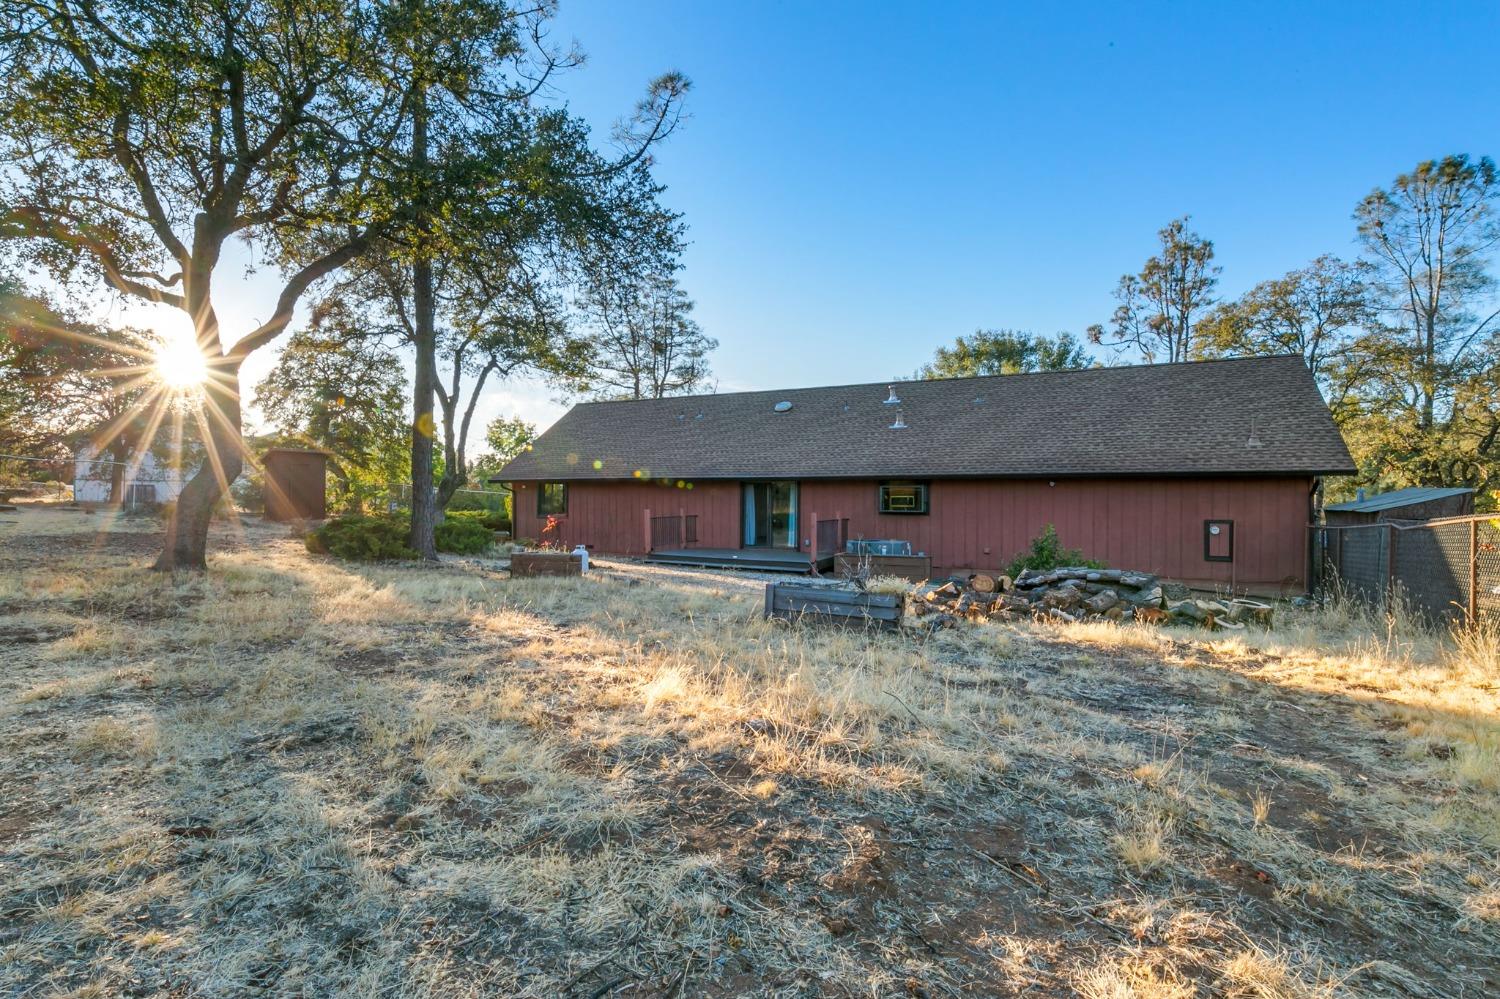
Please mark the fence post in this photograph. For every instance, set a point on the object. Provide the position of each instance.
(1390, 567)
(1473, 608)
(646, 518)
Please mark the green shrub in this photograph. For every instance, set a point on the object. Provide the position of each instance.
(495, 520)
(365, 539)
(463, 536)
(249, 491)
(1046, 552)
(489, 500)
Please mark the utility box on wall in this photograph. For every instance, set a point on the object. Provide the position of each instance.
(296, 484)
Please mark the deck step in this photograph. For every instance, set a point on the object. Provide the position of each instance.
(714, 561)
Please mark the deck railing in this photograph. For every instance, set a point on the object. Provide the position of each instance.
(828, 539)
(678, 531)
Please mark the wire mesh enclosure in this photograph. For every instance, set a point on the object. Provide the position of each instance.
(1444, 569)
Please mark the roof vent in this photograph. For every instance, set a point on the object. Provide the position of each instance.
(1254, 441)
(783, 406)
(900, 424)
(892, 401)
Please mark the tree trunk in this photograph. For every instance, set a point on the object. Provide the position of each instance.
(116, 481)
(187, 532)
(424, 378)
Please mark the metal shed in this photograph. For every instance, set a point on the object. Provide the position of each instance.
(1417, 503)
(296, 484)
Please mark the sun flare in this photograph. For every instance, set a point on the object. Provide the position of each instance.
(179, 363)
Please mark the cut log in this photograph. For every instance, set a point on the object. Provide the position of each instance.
(947, 591)
(984, 582)
(1251, 611)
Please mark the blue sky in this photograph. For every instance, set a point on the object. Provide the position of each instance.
(866, 181)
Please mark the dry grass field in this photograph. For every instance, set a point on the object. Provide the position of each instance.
(300, 777)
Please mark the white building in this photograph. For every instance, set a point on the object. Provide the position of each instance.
(148, 479)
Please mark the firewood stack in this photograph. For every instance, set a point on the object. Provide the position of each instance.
(1076, 593)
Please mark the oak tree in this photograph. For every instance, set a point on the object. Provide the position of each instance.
(1320, 312)
(1161, 306)
(1428, 406)
(141, 138)
(1006, 352)
(645, 343)
(343, 393)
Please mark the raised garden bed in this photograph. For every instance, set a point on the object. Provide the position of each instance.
(545, 564)
(917, 568)
(793, 601)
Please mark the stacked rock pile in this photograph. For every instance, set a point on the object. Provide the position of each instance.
(1077, 593)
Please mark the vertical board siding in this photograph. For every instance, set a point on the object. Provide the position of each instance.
(610, 516)
(1154, 525)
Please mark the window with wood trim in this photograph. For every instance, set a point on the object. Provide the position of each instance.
(551, 499)
(1218, 541)
(903, 497)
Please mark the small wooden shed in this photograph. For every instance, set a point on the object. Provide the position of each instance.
(1417, 503)
(296, 484)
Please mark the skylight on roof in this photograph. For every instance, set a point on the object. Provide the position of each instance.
(782, 407)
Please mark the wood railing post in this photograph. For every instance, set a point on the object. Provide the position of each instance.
(813, 554)
(647, 519)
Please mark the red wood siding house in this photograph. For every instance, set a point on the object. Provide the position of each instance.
(1204, 473)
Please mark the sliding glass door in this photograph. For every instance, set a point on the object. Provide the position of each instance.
(770, 514)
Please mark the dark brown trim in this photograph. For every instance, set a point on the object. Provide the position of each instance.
(1208, 526)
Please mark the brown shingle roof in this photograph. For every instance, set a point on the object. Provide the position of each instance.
(1193, 419)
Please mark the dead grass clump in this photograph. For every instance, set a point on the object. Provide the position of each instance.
(1106, 634)
(1477, 648)
(1134, 978)
(1144, 845)
(111, 737)
(890, 585)
(1257, 973)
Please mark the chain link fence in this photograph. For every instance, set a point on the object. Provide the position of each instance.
(1446, 570)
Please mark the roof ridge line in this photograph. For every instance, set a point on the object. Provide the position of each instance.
(950, 378)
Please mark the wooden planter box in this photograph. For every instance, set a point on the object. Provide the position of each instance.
(545, 564)
(917, 568)
(791, 601)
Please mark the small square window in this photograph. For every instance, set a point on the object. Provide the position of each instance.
(1218, 540)
(551, 499)
(903, 497)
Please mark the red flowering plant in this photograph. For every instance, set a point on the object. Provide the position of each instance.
(551, 539)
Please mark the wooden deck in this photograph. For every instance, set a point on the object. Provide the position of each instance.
(758, 559)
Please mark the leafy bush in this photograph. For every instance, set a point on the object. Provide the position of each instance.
(495, 520)
(1046, 552)
(365, 539)
(249, 491)
(463, 536)
(489, 501)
